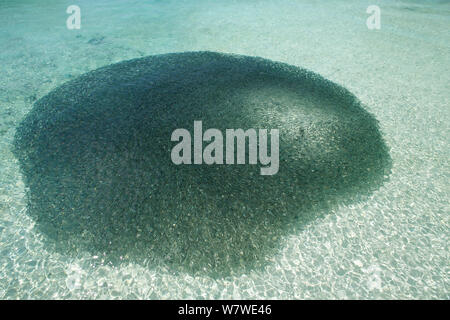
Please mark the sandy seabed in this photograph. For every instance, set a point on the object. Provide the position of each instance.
(392, 245)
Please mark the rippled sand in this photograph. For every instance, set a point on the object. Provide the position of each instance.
(392, 245)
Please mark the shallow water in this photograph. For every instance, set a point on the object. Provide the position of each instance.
(392, 245)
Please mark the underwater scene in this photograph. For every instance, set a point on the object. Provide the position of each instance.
(240, 149)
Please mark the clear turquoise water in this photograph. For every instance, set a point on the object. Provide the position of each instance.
(393, 245)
